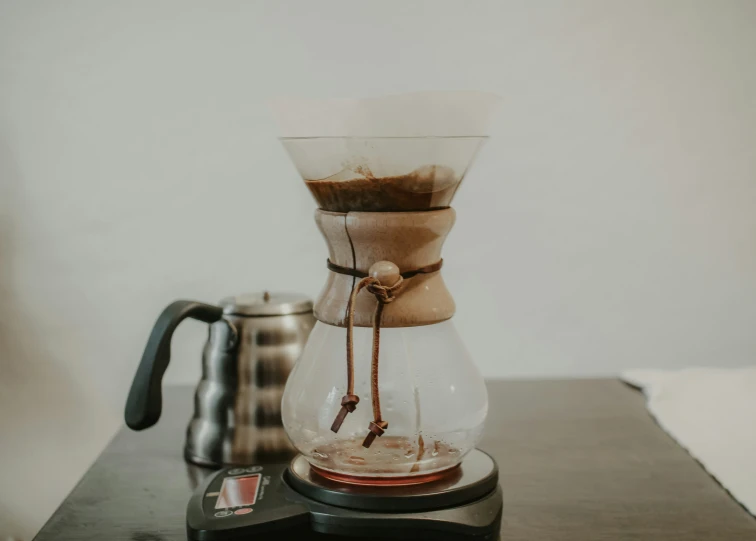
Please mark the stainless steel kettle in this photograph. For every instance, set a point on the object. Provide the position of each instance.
(254, 341)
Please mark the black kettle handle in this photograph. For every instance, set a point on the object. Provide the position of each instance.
(145, 401)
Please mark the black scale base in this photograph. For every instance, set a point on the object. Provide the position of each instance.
(290, 501)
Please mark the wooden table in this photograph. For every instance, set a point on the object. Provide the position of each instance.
(580, 460)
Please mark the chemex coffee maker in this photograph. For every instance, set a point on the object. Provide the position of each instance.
(385, 405)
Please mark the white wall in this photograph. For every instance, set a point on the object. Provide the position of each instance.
(608, 224)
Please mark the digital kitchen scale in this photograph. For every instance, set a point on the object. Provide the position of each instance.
(293, 500)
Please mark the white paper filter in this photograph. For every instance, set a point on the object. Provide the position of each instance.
(420, 114)
(433, 135)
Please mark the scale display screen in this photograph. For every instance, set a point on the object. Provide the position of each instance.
(238, 491)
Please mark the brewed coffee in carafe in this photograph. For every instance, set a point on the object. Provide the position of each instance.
(385, 390)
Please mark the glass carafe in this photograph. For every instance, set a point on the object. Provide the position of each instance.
(391, 202)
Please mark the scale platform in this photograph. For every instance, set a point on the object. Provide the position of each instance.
(244, 502)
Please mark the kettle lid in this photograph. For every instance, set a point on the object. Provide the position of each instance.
(266, 304)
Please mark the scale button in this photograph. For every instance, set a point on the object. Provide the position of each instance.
(243, 511)
(253, 469)
(221, 514)
(236, 471)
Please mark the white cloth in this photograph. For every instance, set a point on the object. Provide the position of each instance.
(712, 414)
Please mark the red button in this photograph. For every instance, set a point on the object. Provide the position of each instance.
(243, 511)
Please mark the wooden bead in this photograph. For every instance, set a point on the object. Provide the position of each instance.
(385, 272)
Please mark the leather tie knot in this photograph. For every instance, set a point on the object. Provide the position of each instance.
(376, 428)
(384, 294)
(348, 405)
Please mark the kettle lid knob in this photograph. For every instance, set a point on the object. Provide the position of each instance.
(266, 303)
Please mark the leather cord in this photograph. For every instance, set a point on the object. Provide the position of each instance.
(338, 269)
(384, 295)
